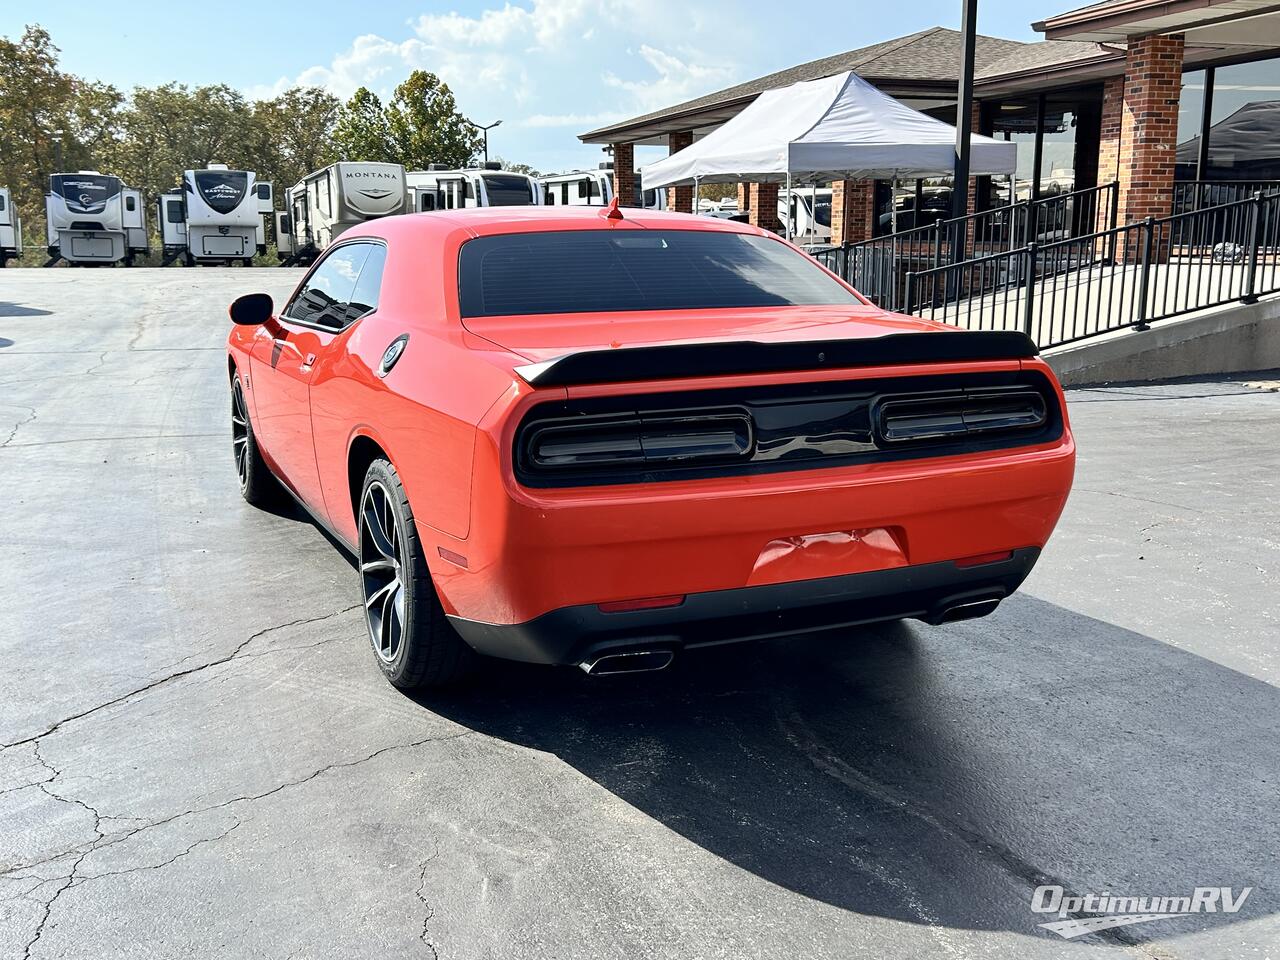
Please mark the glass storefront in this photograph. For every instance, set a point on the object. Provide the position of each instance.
(1243, 102)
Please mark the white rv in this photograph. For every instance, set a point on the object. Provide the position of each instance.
(327, 203)
(439, 188)
(809, 213)
(224, 215)
(593, 188)
(10, 229)
(581, 188)
(171, 219)
(94, 219)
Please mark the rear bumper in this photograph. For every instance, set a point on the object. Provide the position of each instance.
(577, 634)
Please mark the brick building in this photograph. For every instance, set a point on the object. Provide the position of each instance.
(1142, 93)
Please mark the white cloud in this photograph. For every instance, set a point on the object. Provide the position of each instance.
(676, 79)
(551, 69)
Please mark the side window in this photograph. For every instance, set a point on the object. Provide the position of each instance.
(364, 299)
(427, 201)
(584, 189)
(131, 204)
(325, 298)
(1, 203)
(173, 212)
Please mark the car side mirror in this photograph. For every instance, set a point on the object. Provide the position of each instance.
(251, 310)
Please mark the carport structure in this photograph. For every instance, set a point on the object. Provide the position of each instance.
(1098, 101)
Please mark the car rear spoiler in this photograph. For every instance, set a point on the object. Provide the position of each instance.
(675, 361)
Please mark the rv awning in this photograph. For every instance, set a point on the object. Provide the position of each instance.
(836, 128)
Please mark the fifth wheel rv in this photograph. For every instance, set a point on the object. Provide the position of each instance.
(327, 203)
(593, 188)
(94, 219)
(10, 229)
(440, 188)
(224, 215)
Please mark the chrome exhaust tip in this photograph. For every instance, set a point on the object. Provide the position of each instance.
(634, 661)
(970, 610)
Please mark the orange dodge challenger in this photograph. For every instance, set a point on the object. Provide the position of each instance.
(598, 437)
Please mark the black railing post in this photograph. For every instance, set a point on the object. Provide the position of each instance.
(1115, 220)
(1148, 233)
(910, 298)
(1255, 243)
(937, 243)
(1029, 289)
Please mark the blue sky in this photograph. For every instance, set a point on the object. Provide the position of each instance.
(549, 69)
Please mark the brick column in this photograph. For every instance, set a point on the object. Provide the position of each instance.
(975, 120)
(1149, 128)
(679, 199)
(853, 211)
(744, 197)
(624, 174)
(764, 206)
(1109, 141)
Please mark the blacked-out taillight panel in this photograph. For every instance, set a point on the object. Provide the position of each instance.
(688, 434)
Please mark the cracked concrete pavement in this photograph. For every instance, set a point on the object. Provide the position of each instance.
(198, 757)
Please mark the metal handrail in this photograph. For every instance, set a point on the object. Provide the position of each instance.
(1123, 276)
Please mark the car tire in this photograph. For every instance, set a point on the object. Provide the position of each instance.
(258, 484)
(413, 642)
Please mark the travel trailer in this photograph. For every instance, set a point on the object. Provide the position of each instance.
(224, 212)
(327, 203)
(171, 218)
(809, 214)
(593, 188)
(10, 229)
(439, 188)
(94, 219)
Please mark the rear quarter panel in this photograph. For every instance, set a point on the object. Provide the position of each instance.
(423, 414)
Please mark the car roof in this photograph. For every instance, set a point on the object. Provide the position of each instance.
(487, 221)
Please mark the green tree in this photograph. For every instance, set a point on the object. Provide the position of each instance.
(294, 134)
(362, 131)
(518, 167)
(172, 128)
(425, 126)
(44, 111)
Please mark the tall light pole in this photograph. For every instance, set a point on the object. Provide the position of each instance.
(964, 126)
(485, 131)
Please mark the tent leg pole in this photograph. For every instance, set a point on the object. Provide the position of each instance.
(893, 204)
(786, 205)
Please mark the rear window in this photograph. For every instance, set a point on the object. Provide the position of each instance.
(598, 271)
(507, 191)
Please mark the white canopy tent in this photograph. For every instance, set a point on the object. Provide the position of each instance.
(835, 128)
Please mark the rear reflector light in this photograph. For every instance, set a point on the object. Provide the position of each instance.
(718, 435)
(978, 559)
(902, 419)
(646, 603)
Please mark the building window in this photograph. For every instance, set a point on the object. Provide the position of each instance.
(1243, 102)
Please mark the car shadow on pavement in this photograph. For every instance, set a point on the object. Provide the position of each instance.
(18, 310)
(933, 775)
